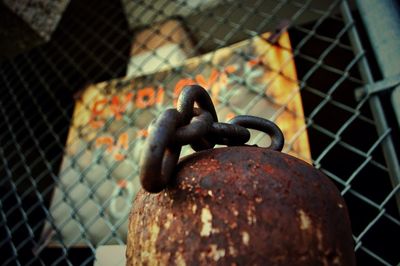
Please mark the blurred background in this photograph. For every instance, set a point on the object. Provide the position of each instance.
(81, 80)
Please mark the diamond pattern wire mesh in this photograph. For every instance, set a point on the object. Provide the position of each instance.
(92, 44)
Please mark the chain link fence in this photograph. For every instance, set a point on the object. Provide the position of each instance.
(75, 111)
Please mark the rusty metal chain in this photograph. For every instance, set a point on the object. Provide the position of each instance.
(198, 127)
(264, 125)
(188, 97)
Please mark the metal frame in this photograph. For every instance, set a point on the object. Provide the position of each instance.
(382, 20)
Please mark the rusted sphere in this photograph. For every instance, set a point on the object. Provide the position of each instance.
(241, 206)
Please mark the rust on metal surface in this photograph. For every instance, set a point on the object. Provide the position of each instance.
(241, 206)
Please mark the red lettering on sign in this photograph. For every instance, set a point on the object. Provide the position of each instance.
(207, 84)
(97, 110)
(122, 144)
(108, 141)
(119, 107)
(148, 96)
(145, 97)
(117, 148)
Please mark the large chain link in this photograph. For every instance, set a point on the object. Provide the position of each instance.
(197, 126)
(188, 97)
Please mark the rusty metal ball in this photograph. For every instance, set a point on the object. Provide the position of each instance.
(241, 206)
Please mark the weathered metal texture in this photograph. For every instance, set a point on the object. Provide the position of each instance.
(241, 206)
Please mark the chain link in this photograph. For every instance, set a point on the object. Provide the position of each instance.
(189, 96)
(198, 127)
(194, 132)
(160, 156)
(263, 125)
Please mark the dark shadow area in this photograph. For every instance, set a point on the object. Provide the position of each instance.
(37, 97)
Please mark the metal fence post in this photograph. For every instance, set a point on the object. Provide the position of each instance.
(382, 21)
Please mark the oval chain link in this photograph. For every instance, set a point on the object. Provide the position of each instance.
(198, 127)
(263, 125)
(189, 96)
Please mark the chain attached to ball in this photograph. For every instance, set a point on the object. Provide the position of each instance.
(198, 127)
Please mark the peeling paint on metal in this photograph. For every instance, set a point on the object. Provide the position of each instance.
(245, 238)
(235, 212)
(216, 253)
(150, 245)
(258, 199)
(305, 221)
(206, 219)
(251, 216)
(232, 251)
(276, 222)
(167, 223)
(179, 260)
(194, 208)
